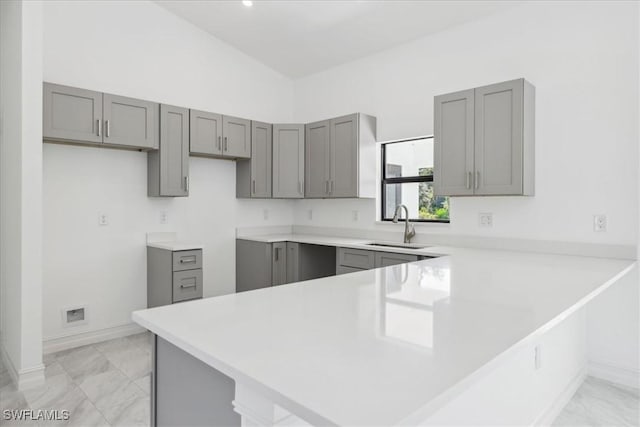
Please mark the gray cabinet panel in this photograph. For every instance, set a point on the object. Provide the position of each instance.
(317, 159)
(236, 135)
(279, 269)
(187, 285)
(130, 122)
(498, 138)
(288, 161)
(385, 259)
(341, 269)
(168, 167)
(454, 143)
(71, 114)
(205, 133)
(344, 157)
(293, 262)
(253, 265)
(261, 152)
(356, 258)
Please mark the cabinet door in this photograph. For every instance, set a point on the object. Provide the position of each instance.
(205, 133)
(453, 130)
(236, 136)
(261, 134)
(279, 269)
(288, 161)
(343, 180)
(316, 164)
(293, 265)
(174, 151)
(71, 114)
(130, 122)
(498, 138)
(254, 265)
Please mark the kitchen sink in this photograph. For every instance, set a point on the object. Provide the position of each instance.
(397, 245)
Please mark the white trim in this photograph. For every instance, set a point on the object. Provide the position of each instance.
(552, 412)
(25, 378)
(54, 345)
(628, 377)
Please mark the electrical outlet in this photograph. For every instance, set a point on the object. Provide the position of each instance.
(103, 219)
(485, 219)
(599, 223)
(164, 217)
(310, 214)
(354, 215)
(265, 214)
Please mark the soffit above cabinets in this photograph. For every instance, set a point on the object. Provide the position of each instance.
(298, 38)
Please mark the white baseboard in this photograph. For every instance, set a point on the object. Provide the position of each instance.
(54, 345)
(552, 412)
(615, 374)
(25, 378)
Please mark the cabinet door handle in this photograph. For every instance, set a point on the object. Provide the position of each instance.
(226, 144)
(99, 127)
(108, 131)
(219, 143)
(186, 183)
(468, 180)
(299, 187)
(188, 286)
(253, 184)
(477, 179)
(276, 254)
(331, 187)
(190, 260)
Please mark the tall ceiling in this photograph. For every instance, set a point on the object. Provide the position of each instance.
(298, 38)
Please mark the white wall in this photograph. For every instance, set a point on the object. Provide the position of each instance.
(583, 59)
(139, 49)
(21, 189)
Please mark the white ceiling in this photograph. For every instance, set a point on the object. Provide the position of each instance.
(303, 37)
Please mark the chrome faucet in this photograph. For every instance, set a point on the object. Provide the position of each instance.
(409, 231)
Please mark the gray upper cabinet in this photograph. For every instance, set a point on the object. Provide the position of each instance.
(288, 161)
(484, 141)
(317, 160)
(340, 157)
(130, 122)
(205, 137)
(253, 176)
(168, 167)
(236, 135)
(453, 149)
(71, 114)
(86, 117)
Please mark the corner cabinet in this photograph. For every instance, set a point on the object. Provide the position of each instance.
(215, 135)
(340, 157)
(168, 167)
(484, 141)
(80, 116)
(288, 161)
(253, 176)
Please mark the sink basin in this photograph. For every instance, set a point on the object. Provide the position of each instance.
(397, 245)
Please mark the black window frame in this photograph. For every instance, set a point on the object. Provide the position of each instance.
(402, 180)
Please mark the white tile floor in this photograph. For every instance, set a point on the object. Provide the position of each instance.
(107, 384)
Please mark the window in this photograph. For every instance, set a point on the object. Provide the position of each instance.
(407, 179)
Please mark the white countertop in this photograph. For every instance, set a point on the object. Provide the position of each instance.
(389, 345)
(348, 242)
(175, 245)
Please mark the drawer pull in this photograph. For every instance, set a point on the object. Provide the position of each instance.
(190, 260)
(188, 286)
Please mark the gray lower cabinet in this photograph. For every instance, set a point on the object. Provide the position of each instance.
(350, 260)
(340, 157)
(173, 276)
(385, 259)
(80, 116)
(288, 161)
(484, 141)
(253, 176)
(130, 122)
(168, 167)
(262, 264)
(205, 133)
(236, 137)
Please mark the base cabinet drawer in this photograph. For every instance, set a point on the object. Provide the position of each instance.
(187, 285)
(385, 259)
(187, 260)
(356, 258)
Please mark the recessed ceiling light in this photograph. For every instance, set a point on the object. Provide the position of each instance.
(247, 3)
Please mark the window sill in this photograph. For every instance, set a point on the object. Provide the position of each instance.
(418, 224)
